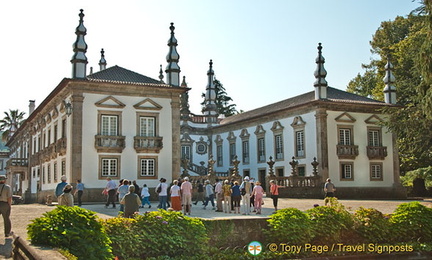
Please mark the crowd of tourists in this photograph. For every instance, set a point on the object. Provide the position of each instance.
(228, 196)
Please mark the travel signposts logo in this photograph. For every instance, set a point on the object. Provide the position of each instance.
(254, 248)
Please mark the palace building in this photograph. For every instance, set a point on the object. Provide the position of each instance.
(120, 124)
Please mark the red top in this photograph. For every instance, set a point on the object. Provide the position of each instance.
(274, 189)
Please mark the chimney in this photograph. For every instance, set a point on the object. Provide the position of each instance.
(31, 106)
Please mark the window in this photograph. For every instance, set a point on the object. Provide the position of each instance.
(49, 137)
(232, 151)
(147, 168)
(245, 152)
(374, 137)
(278, 147)
(43, 173)
(219, 155)
(63, 167)
(109, 125)
(64, 128)
(55, 172)
(299, 143)
(49, 173)
(261, 150)
(186, 152)
(347, 171)
(344, 136)
(147, 126)
(301, 170)
(55, 133)
(109, 167)
(376, 172)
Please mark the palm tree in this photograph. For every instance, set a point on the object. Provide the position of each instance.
(10, 123)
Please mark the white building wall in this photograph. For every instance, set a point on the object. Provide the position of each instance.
(361, 162)
(129, 157)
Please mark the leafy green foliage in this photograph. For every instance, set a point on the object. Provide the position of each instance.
(73, 228)
(412, 222)
(330, 223)
(11, 122)
(222, 101)
(157, 233)
(372, 225)
(422, 173)
(290, 226)
(407, 43)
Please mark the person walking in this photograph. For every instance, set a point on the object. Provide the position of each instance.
(145, 196)
(219, 195)
(80, 190)
(110, 191)
(186, 191)
(137, 188)
(258, 193)
(122, 191)
(60, 186)
(200, 192)
(209, 195)
(329, 189)
(246, 191)
(66, 198)
(175, 196)
(131, 202)
(162, 191)
(274, 194)
(5, 205)
(226, 191)
(236, 197)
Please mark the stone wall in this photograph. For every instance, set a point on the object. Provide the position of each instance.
(233, 233)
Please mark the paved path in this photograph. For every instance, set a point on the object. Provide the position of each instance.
(23, 214)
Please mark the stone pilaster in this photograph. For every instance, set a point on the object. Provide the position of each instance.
(76, 138)
(322, 142)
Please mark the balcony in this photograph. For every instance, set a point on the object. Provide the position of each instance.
(347, 151)
(60, 146)
(109, 143)
(376, 152)
(17, 165)
(148, 144)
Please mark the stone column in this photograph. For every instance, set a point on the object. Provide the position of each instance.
(175, 126)
(322, 141)
(76, 137)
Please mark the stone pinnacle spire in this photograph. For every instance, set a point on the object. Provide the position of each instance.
(320, 74)
(210, 109)
(102, 61)
(79, 59)
(172, 69)
(161, 76)
(389, 79)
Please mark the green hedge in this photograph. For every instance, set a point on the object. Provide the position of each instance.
(171, 235)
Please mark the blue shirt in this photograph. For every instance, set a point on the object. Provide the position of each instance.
(59, 188)
(80, 186)
(236, 190)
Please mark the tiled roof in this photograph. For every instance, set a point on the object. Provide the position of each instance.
(333, 95)
(117, 74)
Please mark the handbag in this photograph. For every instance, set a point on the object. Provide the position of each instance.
(159, 189)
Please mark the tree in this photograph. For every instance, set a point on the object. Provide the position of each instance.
(425, 60)
(222, 101)
(400, 41)
(10, 123)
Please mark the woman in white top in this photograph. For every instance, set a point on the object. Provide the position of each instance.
(175, 196)
(145, 196)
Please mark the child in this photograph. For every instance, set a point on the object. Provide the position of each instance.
(145, 196)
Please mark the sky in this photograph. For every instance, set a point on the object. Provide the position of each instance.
(262, 51)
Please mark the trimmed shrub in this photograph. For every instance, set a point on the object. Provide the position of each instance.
(372, 225)
(290, 226)
(412, 222)
(72, 228)
(157, 234)
(331, 224)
